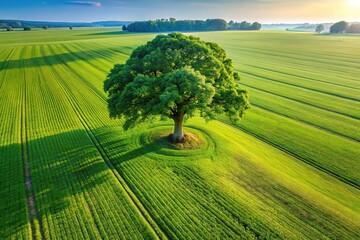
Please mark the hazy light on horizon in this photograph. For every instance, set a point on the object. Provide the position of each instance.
(265, 11)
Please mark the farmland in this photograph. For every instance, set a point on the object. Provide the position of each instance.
(290, 169)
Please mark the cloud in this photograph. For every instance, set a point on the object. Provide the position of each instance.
(84, 3)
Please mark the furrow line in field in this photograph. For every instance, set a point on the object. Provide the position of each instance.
(300, 67)
(300, 76)
(82, 58)
(339, 64)
(90, 49)
(73, 72)
(296, 156)
(131, 196)
(332, 72)
(101, 59)
(91, 212)
(300, 86)
(7, 58)
(178, 207)
(220, 214)
(300, 101)
(309, 124)
(35, 220)
(238, 212)
(151, 223)
(127, 54)
(6, 62)
(75, 109)
(86, 197)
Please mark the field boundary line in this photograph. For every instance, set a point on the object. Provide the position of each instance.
(148, 220)
(308, 124)
(299, 76)
(302, 87)
(300, 101)
(29, 190)
(296, 156)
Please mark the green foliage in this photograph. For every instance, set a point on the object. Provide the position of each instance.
(339, 27)
(255, 26)
(244, 26)
(172, 76)
(27, 29)
(165, 25)
(319, 28)
(235, 186)
(354, 28)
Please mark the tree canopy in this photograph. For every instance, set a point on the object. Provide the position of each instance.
(175, 76)
(339, 27)
(244, 26)
(354, 28)
(168, 25)
(319, 28)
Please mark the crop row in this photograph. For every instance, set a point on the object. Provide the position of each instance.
(185, 228)
(339, 124)
(14, 222)
(128, 156)
(77, 194)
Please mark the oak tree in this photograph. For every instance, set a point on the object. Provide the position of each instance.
(175, 76)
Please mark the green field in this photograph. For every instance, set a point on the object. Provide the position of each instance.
(289, 170)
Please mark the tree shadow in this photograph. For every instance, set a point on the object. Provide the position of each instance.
(52, 60)
(61, 166)
(13, 212)
(121, 149)
(106, 33)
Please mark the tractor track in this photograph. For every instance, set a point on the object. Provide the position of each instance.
(296, 156)
(30, 196)
(150, 222)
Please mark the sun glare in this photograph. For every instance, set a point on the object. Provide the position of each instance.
(354, 3)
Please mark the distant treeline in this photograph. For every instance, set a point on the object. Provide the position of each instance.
(354, 28)
(168, 25)
(40, 24)
(343, 26)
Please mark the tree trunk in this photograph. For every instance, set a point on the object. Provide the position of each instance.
(178, 135)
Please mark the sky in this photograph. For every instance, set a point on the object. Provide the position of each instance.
(264, 11)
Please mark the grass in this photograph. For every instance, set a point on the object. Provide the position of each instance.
(90, 179)
(163, 139)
